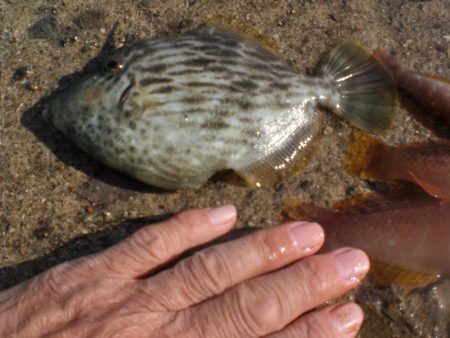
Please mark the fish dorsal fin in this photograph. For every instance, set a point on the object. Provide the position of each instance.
(385, 274)
(362, 151)
(286, 160)
(242, 30)
(384, 199)
(360, 203)
(295, 210)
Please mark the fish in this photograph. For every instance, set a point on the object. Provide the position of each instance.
(406, 239)
(173, 111)
(424, 163)
(426, 96)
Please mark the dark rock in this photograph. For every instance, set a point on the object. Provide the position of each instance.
(21, 73)
(46, 28)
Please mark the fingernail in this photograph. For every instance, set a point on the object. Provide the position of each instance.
(351, 264)
(347, 318)
(306, 236)
(222, 215)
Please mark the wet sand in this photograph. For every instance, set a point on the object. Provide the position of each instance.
(56, 203)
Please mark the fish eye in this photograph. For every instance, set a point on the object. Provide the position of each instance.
(113, 64)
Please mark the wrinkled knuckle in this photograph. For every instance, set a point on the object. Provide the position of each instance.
(315, 275)
(266, 249)
(259, 308)
(53, 280)
(209, 272)
(151, 244)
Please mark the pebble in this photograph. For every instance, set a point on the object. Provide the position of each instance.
(407, 43)
(21, 73)
(328, 130)
(107, 216)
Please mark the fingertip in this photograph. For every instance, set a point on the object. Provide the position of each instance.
(352, 264)
(306, 236)
(223, 216)
(346, 318)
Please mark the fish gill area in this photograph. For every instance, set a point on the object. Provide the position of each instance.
(56, 203)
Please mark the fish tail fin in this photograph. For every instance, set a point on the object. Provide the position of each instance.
(366, 88)
(366, 156)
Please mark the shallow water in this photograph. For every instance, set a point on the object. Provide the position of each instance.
(53, 196)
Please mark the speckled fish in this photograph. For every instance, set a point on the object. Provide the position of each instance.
(424, 163)
(173, 111)
(407, 239)
(426, 96)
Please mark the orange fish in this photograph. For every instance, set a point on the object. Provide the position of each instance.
(408, 241)
(424, 163)
(426, 96)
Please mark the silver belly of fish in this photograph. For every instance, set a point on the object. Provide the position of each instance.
(173, 111)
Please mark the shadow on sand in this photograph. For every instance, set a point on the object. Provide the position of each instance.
(92, 243)
(62, 147)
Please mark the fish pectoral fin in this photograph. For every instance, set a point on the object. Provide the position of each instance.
(384, 274)
(441, 191)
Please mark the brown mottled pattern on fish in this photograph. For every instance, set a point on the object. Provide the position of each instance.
(182, 108)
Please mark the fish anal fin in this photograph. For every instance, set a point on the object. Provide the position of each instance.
(287, 158)
(385, 274)
(274, 169)
(228, 177)
(259, 176)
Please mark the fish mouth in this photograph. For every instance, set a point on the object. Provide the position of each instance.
(126, 93)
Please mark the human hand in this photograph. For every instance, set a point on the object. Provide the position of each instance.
(261, 284)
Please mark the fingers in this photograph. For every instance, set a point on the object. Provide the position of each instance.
(216, 269)
(334, 321)
(152, 246)
(268, 303)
